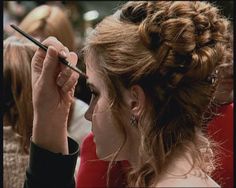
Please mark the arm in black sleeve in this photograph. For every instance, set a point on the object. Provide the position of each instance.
(48, 170)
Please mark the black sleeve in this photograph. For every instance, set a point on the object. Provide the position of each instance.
(49, 170)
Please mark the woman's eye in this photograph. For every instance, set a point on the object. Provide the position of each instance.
(94, 94)
(94, 97)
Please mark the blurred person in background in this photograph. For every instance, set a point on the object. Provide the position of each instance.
(18, 112)
(12, 13)
(74, 12)
(46, 20)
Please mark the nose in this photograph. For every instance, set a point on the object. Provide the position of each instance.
(88, 114)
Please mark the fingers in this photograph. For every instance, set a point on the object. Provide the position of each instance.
(64, 76)
(64, 53)
(72, 58)
(70, 83)
(67, 78)
(49, 68)
(50, 64)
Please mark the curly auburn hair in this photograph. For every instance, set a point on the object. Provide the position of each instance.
(172, 50)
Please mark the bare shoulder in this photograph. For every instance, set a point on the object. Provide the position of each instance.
(187, 181)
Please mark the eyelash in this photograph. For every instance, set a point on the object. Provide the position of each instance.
(94, 93)
(94, 97)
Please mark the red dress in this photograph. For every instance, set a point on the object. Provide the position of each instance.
(221, 130)
(93, 172)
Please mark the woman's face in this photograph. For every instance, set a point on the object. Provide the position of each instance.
(107, 135)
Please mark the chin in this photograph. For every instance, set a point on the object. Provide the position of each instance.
(101, 155)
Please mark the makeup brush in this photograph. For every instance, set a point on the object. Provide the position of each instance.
(61, 60)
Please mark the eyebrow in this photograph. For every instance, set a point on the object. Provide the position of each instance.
(89, 84)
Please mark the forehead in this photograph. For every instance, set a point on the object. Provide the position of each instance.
(93, 71)
(90, 57)
(91, 62)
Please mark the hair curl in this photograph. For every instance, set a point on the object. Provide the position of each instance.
(172, 50)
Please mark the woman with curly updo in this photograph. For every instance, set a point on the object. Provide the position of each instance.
(152, 71)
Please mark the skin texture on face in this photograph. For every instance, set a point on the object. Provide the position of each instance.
(107, 135)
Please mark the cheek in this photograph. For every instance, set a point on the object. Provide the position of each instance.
(101, 105)
(102, 117)
(107, 136)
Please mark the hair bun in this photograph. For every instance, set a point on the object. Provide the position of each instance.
(134, 12)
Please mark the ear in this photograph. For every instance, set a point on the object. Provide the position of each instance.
(136, 100)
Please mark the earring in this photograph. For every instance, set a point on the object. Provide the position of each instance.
(133, 121)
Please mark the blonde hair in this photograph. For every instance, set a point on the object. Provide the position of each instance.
(17, 94)
(47, 20)
(172, 50)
